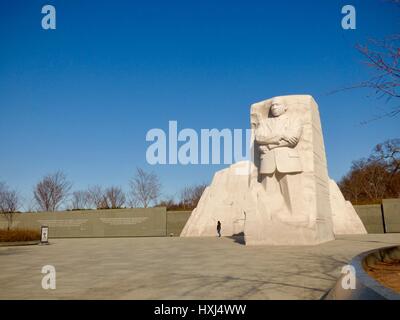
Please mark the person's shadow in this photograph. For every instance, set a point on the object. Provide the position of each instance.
(238, 238)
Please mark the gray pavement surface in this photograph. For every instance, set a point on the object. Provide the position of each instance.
(179, 268)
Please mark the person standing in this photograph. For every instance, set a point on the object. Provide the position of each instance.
(219, 229)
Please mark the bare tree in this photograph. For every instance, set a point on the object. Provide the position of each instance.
(370, 180)
(388, 153)
(145, 188)
(190, 196)
(97, 197)
(80, 200)
(373, 177)
(394, 187)
(115, 197)
(9, 203)
(169, 203)
(351, 186)
(52, 191)
(110, 198)
(382, 57)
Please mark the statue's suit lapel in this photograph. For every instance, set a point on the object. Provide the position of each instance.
(281, 124)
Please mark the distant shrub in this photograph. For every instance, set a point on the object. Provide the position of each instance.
(15, 235)
(367, 202)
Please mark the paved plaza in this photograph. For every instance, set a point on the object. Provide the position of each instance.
(178, 268)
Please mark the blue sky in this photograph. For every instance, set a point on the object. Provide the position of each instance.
(82, 97)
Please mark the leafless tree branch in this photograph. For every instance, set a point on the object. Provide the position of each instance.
(190, 196)
(52, 191)
(115, 197)
(9, 203)
(80, 200)
(145, 188)
(374, 178)
(382, 57)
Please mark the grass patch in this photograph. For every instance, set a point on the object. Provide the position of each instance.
(15, 235)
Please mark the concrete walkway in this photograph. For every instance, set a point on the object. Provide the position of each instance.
(178, 268)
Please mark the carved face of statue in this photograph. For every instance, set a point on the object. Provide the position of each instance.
(277, 108)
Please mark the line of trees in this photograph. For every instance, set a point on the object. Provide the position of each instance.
(188, 199)
(374, 178)
(53, 192)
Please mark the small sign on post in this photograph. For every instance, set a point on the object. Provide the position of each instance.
(44, 238)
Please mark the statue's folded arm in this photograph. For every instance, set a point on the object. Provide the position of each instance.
(268, 139)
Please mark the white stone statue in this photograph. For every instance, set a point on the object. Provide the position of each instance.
(286, 196)
(277, 136)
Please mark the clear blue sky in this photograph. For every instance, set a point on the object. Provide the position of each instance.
(81, 98)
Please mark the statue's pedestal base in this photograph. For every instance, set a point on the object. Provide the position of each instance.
(279, 233)
(244, 208)
(267, 223)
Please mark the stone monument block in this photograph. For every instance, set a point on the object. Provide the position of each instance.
(224, 200)
(304, 216)
(344, 216)
(283, 196)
